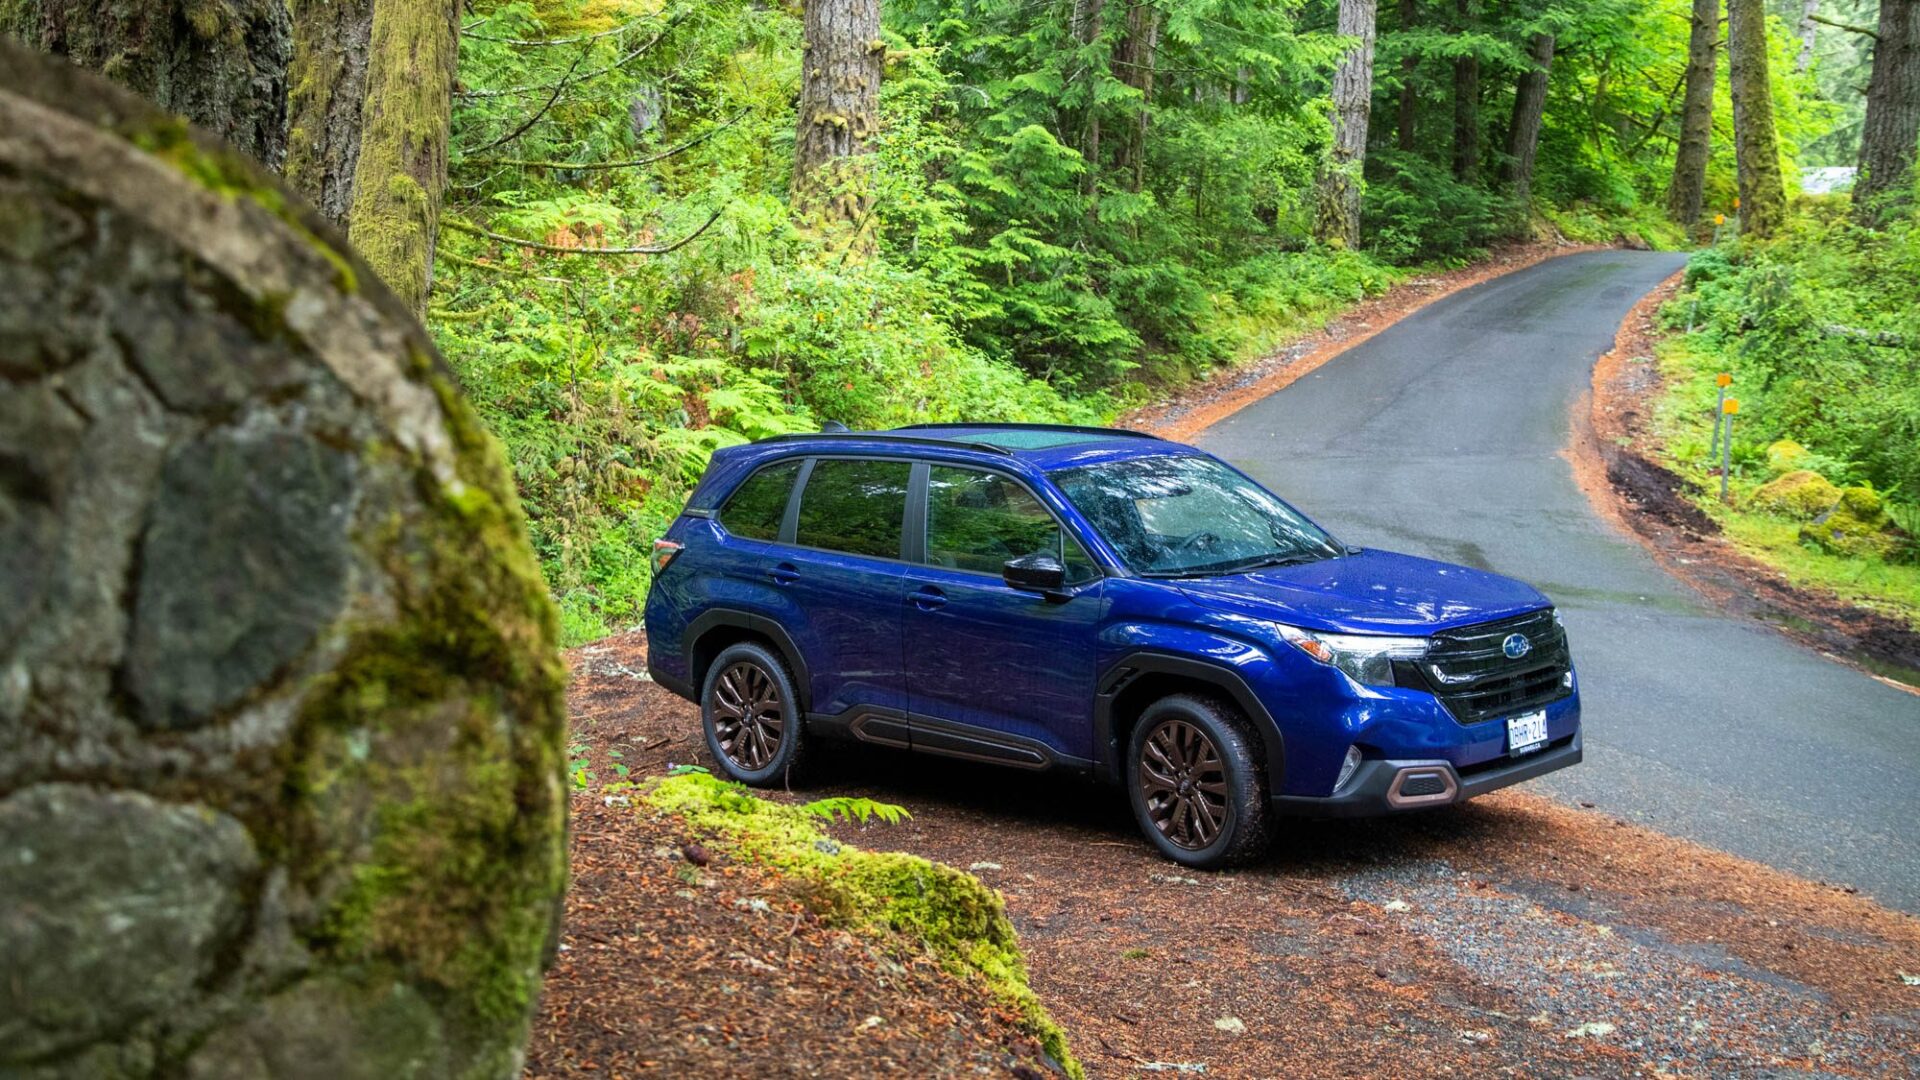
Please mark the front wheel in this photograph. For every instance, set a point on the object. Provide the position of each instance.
(1197, 783)
(751, 715)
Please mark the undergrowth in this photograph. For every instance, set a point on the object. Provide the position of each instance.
(959, 920)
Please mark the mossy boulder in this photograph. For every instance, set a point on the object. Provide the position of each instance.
(1858, 525)
(1785, 456)
(1802, 494)
(282, 786)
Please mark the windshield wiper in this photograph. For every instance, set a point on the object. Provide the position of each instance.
(1261, 563)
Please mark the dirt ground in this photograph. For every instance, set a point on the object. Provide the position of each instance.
(1512, 936)
(1611, 455)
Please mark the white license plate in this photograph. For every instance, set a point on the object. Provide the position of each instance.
(1526, 732)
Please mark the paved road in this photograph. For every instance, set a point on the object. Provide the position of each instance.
(1441, 437)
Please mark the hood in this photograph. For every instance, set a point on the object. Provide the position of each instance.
(1369, 592)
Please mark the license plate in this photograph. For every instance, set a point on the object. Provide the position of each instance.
(1526, 733)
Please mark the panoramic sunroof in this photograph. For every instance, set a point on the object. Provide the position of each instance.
(1026, 439)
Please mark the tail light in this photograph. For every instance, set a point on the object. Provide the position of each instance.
(664, 552)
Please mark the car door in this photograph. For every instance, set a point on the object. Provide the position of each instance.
(995, 672)
(842, 572)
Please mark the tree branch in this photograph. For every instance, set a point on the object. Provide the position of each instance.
(554, 249)
(1848, 27)
(558, 88)
(522, 91)
(598, 166)
(527, 43)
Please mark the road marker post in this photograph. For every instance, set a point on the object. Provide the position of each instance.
(1722, 380)
(1728, 407)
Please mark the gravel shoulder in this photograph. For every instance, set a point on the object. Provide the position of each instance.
(1513, 936)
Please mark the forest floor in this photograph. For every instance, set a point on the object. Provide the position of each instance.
(1616, 455)
(1509, 936)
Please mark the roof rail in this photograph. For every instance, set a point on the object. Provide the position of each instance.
(885, 436)
(1082, 428)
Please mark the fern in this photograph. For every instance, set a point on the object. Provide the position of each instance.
(857, 810)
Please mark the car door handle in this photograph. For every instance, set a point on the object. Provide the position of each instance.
(784, 574)
(928, 598)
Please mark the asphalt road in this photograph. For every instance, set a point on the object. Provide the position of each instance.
(1442, 437)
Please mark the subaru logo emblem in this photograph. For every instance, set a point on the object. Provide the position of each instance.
(1516, 646)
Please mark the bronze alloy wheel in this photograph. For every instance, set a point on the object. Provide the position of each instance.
(1184, 780)
(749, 718)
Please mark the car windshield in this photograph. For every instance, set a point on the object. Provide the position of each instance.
(1191, 517)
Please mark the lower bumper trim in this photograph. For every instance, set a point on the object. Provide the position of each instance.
(1387, 787)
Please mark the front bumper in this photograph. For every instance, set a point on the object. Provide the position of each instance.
(1389, 787)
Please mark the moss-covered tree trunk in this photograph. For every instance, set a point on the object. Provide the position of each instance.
(1337, 190)
(327, 92)
(400, 173)
(1466, 98)
(282, 782)
(1756, 149)
(1409, 98)
(1088, 21)
(839, 113)
(220, 63)
(1529, 108)
(1887, 141)
(1686, 192)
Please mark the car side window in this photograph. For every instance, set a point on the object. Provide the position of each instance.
(858, 507)
(755, 508)
(979, 520)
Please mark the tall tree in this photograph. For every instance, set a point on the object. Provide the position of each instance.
(1089, 18)
(220, 63)
(1138, 56)
(1887, 142)
(1409, 96)
(400, 172)
(1336, 218)
(1466, 97)
(1756, 149)
(1529, 107)
(1687, 191)
(839, 110)
(1809, 26)
(327, 94)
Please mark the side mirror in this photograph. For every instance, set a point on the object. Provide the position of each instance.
(1039, 572)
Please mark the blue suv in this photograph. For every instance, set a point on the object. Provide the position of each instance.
(1102, 602)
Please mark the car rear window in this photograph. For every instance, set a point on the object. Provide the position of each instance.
(854, 506)
(756, 507)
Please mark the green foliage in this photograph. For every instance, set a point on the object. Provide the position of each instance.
(956, 918)
(854, 809)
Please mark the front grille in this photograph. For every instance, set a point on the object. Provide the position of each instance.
(1471, 674)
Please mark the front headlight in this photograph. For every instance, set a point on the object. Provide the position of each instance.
(1366, 658)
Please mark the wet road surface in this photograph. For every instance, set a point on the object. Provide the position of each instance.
(1442, 436)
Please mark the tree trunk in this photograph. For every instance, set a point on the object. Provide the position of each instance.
(1409, 99)
(285, 794)
(1089, 18)
(1139, 53)
(1529, 106)
(401, 170)
(1756, 150)
(1808, 33)
(1892, 126)
(328, 93)
(1685, 193)
(1336, 217)
(1466, 100)
(220, 63)
(839, 111)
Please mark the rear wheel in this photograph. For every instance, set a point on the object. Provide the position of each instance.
(1197, 782)
(750, 715)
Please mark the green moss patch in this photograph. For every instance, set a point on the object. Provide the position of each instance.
(961, 921)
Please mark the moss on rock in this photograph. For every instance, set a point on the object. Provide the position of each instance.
(958, 919)
(1785, 456)
(1856, 525)
(1802, 494)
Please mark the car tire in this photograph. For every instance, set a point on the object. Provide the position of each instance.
(1196, 776)
(751, 716)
